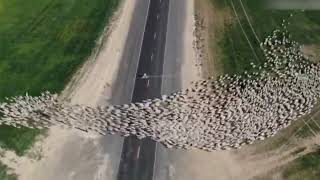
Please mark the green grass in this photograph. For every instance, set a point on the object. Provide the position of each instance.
(309, 129)
(3, 172)
(306, 167)
(237, 53)
(42, 43)
(289, 136)
(311, 125)
(16, 139)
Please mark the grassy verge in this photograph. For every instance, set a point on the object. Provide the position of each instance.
(252, 23)
(42, 43)
(4, 175)
(306, 167)
(246, 24)
(311, 125)
(215, 19)
(18, 140)
(290, 136)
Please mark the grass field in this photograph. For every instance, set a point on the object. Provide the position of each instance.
(42, 43)
(4, 175)
(252, 23)
(305, 167)
(303, 128)
(16, 139)
(311, 127)
(246, 26)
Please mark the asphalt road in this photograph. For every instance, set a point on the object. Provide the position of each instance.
(123, 88)
(122, 91)
(167, 166)
(173, 57)
(138, 156)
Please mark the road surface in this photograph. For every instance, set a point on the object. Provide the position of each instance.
(123, 88)
(168, 164)
(137, 159)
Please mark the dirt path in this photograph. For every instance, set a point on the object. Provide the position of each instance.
(191, 71)
(69, 154)
(97, 76)
(210, 25)
(242, 164)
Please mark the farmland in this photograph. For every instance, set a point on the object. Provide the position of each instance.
(42, 43)
(235, 30)
(250, 23)
(4, 174)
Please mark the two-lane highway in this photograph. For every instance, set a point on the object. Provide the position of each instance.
(138, 156)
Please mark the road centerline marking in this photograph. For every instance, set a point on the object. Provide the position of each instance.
(155, 35)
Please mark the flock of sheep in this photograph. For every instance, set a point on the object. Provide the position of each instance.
(211, 115)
